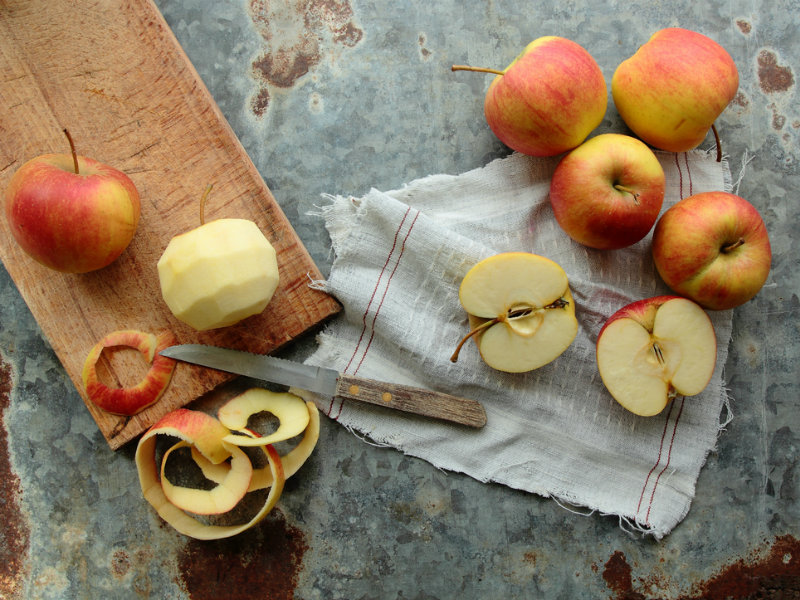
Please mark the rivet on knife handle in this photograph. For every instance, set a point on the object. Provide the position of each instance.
(414, 400)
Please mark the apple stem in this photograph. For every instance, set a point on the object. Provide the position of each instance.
(622, 188)
(475, 331)
(72, 149)
(518, 312)
(203, 203)
(719, 144)
(476, 69)
(731, 247)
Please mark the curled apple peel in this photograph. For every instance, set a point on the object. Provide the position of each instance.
(290, 410)
(262, 477)
(220, 499)
(219, 454)
(131, 400)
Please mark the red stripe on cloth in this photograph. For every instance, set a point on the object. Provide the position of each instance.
(688, 172)
(658, 459)
(364, 317)
(680, 176)
(669, 413)
(666, 466)
(386, 289)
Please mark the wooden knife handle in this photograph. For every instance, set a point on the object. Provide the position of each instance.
(413, 400)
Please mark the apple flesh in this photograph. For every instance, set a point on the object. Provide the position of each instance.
(714, 248)
(69, 221)
(218, 274)
(607, 193)
(654, 350)
(674, 87)
(548, 99)
(520, 310)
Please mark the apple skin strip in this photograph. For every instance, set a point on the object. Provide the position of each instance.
(185, 524)
(131, 400)
(212, 443)
(220, 499)
(262, 478)
(288, 408)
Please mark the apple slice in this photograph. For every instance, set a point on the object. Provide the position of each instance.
(520, 309)
(131, 400)
(652, 350)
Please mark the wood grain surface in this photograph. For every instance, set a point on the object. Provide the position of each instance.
(114, 75)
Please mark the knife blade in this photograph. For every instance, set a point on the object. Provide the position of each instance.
(330, 382)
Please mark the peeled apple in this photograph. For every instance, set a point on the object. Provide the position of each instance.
(218, 274)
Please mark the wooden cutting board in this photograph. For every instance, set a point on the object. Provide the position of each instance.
(112, 73)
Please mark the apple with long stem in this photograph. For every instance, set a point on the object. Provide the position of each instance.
(71, 213)
(548, 100)
(520, 310)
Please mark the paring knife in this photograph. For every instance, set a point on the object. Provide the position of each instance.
(332, 383)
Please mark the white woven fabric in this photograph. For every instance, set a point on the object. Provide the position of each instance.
(399, 259)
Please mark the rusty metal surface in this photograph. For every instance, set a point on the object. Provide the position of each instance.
(337, 96)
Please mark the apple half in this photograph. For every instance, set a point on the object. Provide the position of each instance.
(653, 350)
(521, 311)
(130, 400)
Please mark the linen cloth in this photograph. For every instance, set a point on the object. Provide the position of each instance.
(399, 259)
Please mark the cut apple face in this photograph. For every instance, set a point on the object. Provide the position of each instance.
(521, 311)
(131, 400)
(654, 350)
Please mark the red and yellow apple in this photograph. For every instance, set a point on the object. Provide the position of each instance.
(607, 193)
(652, 350)
(548, 100)
(218, 274)
(674, 87)
(713, 247)
(520, 309)
(71, 213)
(131, 400)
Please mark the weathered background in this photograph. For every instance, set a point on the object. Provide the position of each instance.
(337, 96)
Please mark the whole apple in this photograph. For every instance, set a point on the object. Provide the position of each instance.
(607, 192)
(548, 100)
(714, 248)
(71, 221)
(674, 87)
